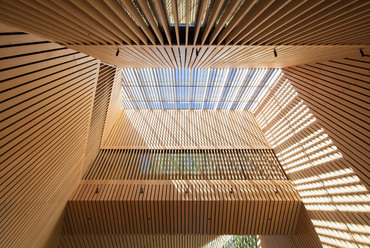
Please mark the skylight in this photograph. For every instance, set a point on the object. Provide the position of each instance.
(227, 89)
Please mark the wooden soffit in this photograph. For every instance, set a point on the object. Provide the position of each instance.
(202, 207)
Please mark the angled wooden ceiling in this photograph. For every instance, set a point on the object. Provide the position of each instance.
(137, 56)
(150, 33)
(196, 22)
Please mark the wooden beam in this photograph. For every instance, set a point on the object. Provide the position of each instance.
(271, 207)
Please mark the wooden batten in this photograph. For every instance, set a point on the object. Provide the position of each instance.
(198, 207)
(141, 241)
(190, 22)
(190, 164)
(102, 99)
(46, 96)
(315, 119)
(188, 129)
(221, 56)
(115, 105)
(96, 151)
(244, 32)
(337, 92)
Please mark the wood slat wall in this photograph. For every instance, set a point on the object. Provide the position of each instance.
(46, 95)
(115, 105)
(119, 164)
(140, 241)
(186, 129)
(336, 198)
(304, 236)
(99, 112)
(192, 22)
(183, 207)
(337, 92)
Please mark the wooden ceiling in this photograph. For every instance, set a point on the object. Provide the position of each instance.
(196, 34)
(218, 56)
(182, 22)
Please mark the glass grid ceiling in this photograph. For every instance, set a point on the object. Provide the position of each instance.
(227, 89)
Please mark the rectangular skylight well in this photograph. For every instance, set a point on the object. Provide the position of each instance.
(227, 89)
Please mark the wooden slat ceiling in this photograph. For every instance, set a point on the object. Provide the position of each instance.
(245, 31)
(167, 56)
(211, 22)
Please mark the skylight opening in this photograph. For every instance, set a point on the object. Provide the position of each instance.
(218, 89)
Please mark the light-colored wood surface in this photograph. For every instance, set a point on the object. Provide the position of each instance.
(187, 129)
(225, 164)
(183, 207)
(232, 34)
(323, 146)
(99, 112)
(115, 105)
(180, 22)
(304, 236)
(46, 95)
(337, 92)
(140, 241)
(221, 56)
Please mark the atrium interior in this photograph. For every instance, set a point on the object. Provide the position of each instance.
(175, 123)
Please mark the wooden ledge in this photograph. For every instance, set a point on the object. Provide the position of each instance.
(183, 207)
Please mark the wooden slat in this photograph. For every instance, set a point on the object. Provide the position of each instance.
(117, 164)
(305, 235)
(149, 129)
(98, 118)
(229, 193)
(338, 97)
(157, 241)
(305, 26)
(249, 56)
(315, 118)
(114, 108)
(46, 99)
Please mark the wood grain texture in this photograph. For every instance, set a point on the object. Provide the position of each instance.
(225, 164)
(217, 56)
(305, 139)
(183, 207)
(187, 129)
(337, 92)
(198, 34)
(115, 105)
(304, 236)
(193, 22)
(46, 95)
(141, 241)
(99, 112)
